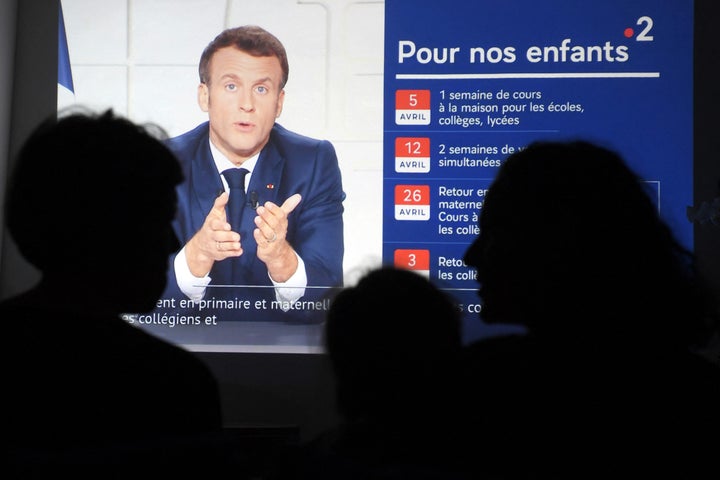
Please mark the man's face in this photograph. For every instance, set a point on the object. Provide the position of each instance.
(242, 98)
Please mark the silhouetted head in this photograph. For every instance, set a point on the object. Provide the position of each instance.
(90, 204)
(391, 339)
(571, 241)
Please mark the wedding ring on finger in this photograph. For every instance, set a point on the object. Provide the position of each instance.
(271, 239)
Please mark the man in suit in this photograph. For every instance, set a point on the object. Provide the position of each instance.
(289, 237)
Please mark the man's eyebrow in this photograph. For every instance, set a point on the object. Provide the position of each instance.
(264, 80)
(232, 76)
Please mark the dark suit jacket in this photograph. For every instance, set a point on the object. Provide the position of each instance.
(290, 163)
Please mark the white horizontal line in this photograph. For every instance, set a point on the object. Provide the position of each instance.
(462, 76)
(254, 348)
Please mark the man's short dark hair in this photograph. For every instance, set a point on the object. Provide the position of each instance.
(251, 39)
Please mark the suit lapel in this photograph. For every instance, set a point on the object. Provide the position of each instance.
(205, 182)
(266, 177)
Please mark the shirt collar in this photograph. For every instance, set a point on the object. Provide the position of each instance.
(223, 163)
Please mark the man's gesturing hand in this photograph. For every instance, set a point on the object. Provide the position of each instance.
(270, 235)
(214, 241)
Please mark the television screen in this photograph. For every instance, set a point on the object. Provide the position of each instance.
(421, 101)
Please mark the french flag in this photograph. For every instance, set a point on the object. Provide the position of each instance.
(66, 90)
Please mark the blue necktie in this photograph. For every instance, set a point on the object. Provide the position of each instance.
(235, 178)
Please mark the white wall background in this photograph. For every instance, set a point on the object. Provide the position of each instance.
(140, 58)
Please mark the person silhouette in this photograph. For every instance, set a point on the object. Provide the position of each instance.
(90, 204)
(614, 372)
(392, 340)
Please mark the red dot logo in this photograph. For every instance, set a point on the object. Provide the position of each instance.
(628, 32)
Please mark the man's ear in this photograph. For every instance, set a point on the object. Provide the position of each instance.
(281, 99)
(203, 97)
